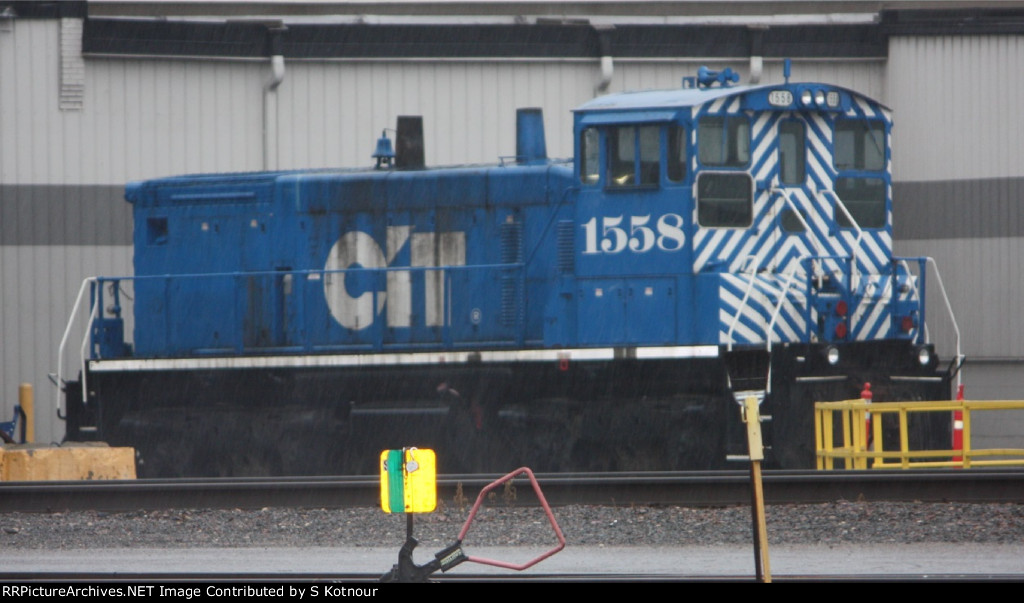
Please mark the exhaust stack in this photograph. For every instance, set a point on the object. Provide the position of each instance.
(531, 147)
(409, 142)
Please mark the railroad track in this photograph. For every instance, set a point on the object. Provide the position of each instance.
(677, 488)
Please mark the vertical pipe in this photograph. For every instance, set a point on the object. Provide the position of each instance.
(27, 401)
(270, 138)
(604, 43)
(275, 33)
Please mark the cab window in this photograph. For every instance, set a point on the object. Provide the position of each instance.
(723, 141)
(859, 145)
(676, 167)
(725, 200)
(589, 153)
(864, 198)
(792, 153)
(634, 156)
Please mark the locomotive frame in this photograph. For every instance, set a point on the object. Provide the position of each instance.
(598, 314)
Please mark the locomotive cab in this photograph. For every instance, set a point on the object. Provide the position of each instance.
(764, 210)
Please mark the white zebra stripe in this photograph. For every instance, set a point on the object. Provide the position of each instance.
(741, 334)
(760, 306)
(867, 327)
(717, 104)
(865, 108)
(759, 125)
(707, 241)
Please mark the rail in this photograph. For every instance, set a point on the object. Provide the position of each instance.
(857, 450)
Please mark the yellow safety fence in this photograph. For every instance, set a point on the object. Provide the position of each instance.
(857, 451)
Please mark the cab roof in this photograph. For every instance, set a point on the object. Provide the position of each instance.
(664, 104)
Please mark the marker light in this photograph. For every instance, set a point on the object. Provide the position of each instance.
(841, 330)
(907, 324)
(841, 308)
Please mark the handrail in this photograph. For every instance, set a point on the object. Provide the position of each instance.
(743, 302)
(926, 261)
(446, 274)
(64, 340)
(949, 310)
(860, 449)
(856, 226)
(783, 296)
(816, 270)
(83, 351)
(799, 216)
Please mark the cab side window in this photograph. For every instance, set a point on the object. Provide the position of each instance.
(725, 199)
(859, 157)
(634, 156)
(676, 142)
(723, 141)
(590, 151)
(859, 145)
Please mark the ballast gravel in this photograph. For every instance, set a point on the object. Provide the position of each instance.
(500, 525)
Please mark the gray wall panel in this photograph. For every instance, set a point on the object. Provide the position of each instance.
(1000, 380)
(947, 209)
(984, 279)
(64, 215)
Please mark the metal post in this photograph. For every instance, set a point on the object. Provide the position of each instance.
(26, 400)
(762, 564)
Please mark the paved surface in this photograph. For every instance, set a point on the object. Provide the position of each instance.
(916, 559)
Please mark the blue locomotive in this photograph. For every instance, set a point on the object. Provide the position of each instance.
(602, 313)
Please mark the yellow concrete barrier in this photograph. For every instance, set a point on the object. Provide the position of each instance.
(82, 461)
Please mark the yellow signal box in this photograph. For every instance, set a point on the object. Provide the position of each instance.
(408, 480)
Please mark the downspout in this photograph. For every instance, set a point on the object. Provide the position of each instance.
(756, 52)
(270, 137)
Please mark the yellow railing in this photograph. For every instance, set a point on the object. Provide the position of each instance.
(856, 451)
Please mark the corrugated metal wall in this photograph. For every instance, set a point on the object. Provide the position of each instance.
(959, 100)
(960, 188)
